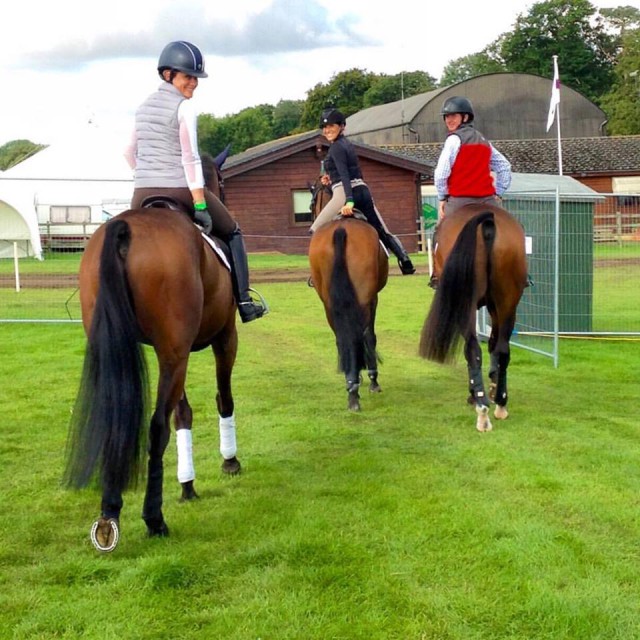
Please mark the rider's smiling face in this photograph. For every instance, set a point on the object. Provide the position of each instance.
(184, 83)
(331, 131)
(452, 121)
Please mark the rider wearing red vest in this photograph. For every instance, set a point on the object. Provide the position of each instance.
(464, 171)
(467, 164)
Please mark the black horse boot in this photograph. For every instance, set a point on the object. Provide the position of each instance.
(395, 246)
(248, 308)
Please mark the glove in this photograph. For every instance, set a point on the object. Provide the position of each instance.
(203, 218)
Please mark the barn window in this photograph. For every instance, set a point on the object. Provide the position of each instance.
(74, 215)
(302, 207)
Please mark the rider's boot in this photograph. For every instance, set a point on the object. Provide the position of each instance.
(248, 308)
(395, 246)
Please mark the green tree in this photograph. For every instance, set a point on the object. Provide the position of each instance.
(385, 89)
(251, 127)
(286, 117)
(344, 90)
(622, 19)
(214, 134)
(469, 66)
(14, 152)
(572, 30)
(622, 103)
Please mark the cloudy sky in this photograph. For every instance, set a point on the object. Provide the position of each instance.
(66, 63)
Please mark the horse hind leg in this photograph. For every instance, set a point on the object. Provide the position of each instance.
(371, 357)
(479, 398)
(500, 359)
(183, 418)
(225, 348)
(170, 391)
(353, 395)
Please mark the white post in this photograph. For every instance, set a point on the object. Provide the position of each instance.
(429, 251)
(15, 265)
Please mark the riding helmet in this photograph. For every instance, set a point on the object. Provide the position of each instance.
(457, 104)
(182, 56)
(332, 116)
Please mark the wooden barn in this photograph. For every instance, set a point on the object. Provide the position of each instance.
(267, 190)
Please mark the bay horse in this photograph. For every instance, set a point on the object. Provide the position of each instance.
(480, 256)
(147, 277)
(349, 267)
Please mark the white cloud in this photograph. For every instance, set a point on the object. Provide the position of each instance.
(95, 61)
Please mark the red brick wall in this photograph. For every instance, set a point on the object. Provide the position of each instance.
(261, 201)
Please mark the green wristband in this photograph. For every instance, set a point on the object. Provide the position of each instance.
(349, 202)
(200, 206)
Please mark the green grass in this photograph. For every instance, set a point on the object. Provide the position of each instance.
(617, 251)
(398, 522)
(57, 262)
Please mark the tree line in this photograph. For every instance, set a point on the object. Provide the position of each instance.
(599, 53)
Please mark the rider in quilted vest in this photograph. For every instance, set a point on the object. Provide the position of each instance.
(163, 152)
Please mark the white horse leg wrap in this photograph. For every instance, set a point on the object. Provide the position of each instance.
(228, 446)
(186, 472)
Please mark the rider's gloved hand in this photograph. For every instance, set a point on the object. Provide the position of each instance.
(203, 218)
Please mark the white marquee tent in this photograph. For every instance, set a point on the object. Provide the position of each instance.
(88, 171)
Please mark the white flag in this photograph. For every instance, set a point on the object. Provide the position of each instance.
(555, 94)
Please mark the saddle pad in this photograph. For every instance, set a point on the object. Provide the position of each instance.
(216, 247)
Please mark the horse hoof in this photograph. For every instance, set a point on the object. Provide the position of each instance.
(158, 531)
(188, 492)
(483, 423)
(375, 388)
(354, 404)
(231, 466)
(105, 534)
(501, 412)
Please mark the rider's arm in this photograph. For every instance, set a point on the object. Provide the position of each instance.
(188, 131)
(442, 172)
(502, 168)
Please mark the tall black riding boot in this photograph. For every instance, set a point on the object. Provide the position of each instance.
(248, 308)
(395, 246)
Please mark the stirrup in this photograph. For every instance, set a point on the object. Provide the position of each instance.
(253, 309)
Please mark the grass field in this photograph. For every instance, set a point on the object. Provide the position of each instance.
(398, 522)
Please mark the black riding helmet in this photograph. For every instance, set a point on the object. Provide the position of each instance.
(182, 56)
(457, 104)
(332, 116)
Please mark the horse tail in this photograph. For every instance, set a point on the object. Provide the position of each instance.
(347, 315)
(107, 426)
(454, 302)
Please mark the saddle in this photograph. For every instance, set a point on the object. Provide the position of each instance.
(164, 202)
(357, 215)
